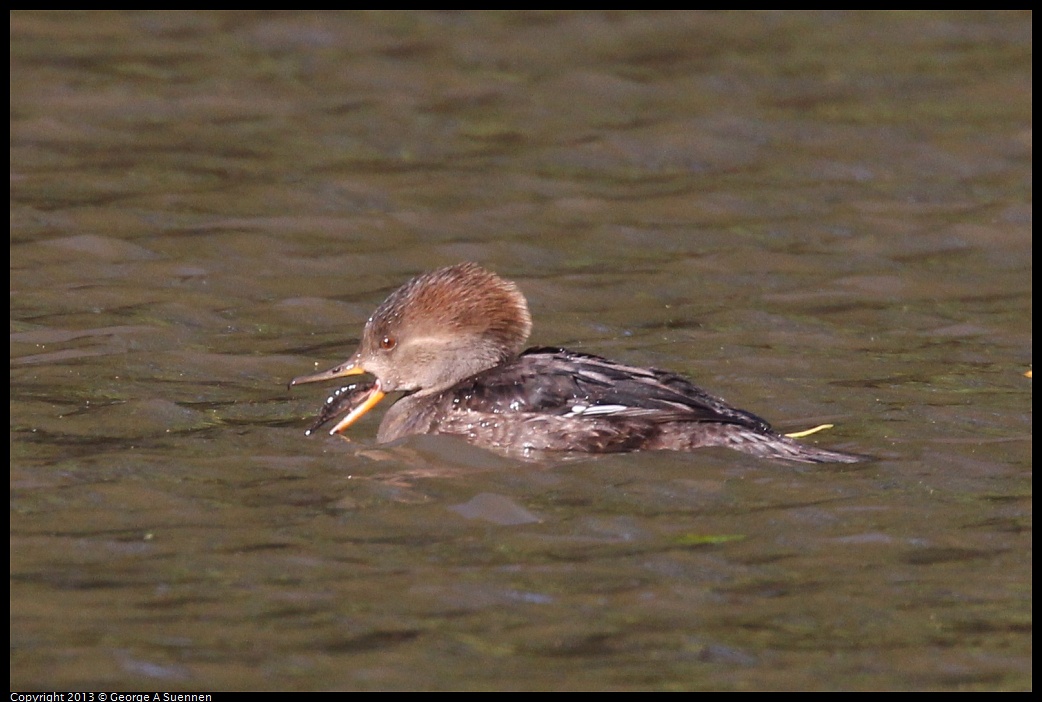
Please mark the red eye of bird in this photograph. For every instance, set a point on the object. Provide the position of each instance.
(388, 342)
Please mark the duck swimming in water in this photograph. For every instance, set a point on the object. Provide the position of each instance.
(451, 341)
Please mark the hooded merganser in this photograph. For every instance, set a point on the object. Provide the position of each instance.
(451, 340)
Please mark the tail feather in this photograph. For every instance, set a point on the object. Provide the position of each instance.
(777, 446)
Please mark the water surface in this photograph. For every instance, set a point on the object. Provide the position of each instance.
(823, 217)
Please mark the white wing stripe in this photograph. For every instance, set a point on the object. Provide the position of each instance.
(590, 411)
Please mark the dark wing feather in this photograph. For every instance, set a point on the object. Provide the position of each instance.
(567, 383)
